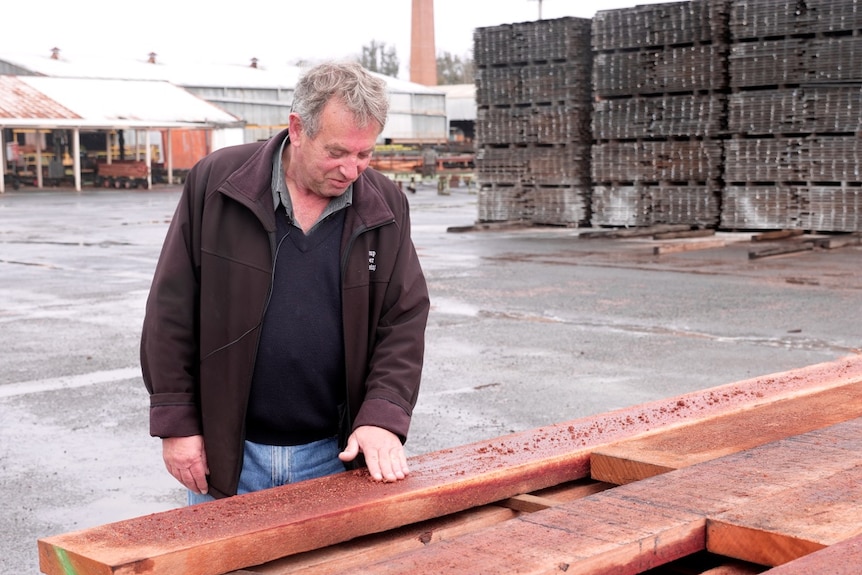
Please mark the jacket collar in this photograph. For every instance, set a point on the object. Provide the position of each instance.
(251, 184)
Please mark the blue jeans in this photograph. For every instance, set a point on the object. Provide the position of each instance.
(265, 466)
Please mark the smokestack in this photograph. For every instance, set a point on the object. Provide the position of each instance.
(423, 54)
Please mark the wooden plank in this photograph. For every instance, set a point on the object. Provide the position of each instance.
(790, 248)
(571, 491)
(776, 235)
(635, 459)
(791, 524)
(842, 558)
(372, 548)
(684, 234)
(642, 525)
(688, 246)
(527, 503)
(831, 243)
(260, 527)
(376, 547)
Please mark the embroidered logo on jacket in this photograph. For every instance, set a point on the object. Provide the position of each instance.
(372, 265)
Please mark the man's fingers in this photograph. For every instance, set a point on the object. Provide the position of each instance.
(192, 479)
(384, 454)
(186, 460)
(387, 465)
(351, 450)
(199, 479)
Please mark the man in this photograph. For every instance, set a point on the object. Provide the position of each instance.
(284, 330)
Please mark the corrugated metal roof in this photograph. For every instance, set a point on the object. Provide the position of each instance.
(183, 74)
(20, 100)
(38, 101)
(197, 74)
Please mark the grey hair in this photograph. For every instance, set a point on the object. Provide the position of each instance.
(365, 96)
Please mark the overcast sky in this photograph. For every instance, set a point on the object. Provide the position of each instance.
(276, 32)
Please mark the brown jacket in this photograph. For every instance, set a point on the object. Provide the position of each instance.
(209, 294)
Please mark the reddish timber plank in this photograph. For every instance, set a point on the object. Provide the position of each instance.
(371, 548)
(336, 558)
(842, 558)
(642, 525)
(366, 549)
(222, 536)
(635, 459)
(677, 247)
(811, 517)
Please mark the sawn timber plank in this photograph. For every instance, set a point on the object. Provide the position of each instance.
(842, 558)
(808, 519)
(370, 548)
(234, 533)
(641, 457)
(638, 526)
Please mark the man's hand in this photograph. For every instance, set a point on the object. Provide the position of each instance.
(186, 460)
(384, 454)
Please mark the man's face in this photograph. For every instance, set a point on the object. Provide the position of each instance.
(341, 150)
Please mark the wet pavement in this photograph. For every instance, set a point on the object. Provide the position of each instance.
(529, 326)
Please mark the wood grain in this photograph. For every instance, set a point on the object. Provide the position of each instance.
(791, 524)
(842, 558)
(235, 533)
(641, 457)
(641, 525)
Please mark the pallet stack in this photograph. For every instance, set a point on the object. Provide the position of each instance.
(533, 130)
(660, 81)
(794, 159)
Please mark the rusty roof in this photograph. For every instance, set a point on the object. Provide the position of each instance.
(44, 102)
(20, 100)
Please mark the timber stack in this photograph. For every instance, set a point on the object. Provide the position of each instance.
(794, 159)
(727, 114)
(758, 476)
(533, 121)
(660, 81)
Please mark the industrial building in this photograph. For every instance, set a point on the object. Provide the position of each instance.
(721, 114)
(252, 103)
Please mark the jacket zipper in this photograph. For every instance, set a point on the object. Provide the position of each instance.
(343, 434)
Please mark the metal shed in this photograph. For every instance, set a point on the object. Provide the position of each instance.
(260, 95)
(461, 110)
(44, 104)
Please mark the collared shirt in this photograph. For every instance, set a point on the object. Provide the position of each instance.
(280, 194)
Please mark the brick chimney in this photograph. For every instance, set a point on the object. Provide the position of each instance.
(423, 54)
(152, 57)
(55, 53)
(254, 62)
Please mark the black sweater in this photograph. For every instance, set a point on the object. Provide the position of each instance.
(299, 377)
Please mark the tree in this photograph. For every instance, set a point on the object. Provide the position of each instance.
(451, 69)
(376, 57)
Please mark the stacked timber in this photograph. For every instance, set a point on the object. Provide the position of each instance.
(744, 477)
(660, 81)
(795, 114)
(533, 130)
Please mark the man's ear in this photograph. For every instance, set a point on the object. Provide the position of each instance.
(294, 126)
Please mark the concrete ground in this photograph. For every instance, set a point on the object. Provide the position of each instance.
(529, 326)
